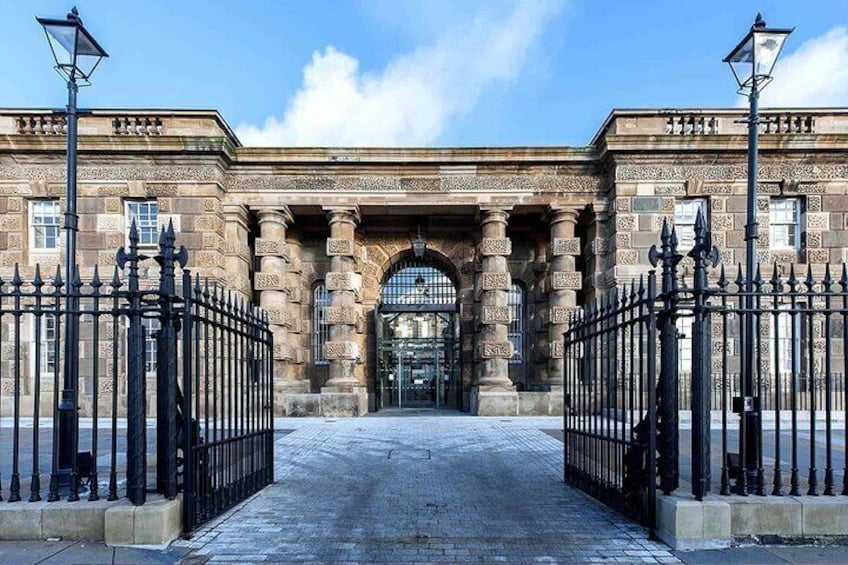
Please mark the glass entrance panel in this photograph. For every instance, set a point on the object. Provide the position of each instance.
(417, 338)
(417, 360)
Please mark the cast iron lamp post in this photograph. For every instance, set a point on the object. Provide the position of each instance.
(752, 62)
(77, 55)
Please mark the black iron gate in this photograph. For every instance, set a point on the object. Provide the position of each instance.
(209, 352)
(610, 399)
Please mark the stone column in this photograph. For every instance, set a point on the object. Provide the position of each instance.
(540, 317)
(271, 282)
(494, 394)
(296, 287)
(237, 253)
(563, 283)
(343, 395)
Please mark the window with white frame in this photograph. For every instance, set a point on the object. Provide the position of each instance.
(515, 332)
(685, 214)
(47, 340)
(785, 223)
(320, 330)
(44, 225)
(784, 351)
(151, 326)
(146, 216)
(684, 344)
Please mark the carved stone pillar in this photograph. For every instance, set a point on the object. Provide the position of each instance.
(296, 288)
(237, 253)
(495, 393)
(343, 395)
(540, 315)
(271, 282)
(563, 283)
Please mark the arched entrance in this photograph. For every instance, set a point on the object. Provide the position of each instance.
(417, 330)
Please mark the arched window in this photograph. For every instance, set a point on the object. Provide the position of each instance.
(515, 333)
(320, 330)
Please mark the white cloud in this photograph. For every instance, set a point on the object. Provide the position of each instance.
(816, 74)
(412, 100)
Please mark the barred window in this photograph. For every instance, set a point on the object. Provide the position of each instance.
(44, 225)
(685, 214)
(784, 351)
(784, 223)
(151, 326)
(146, 216)
(515, 332)
(684, 344)
(320, 331)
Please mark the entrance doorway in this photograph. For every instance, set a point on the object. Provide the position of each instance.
(417, 331)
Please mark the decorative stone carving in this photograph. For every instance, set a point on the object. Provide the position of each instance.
(565, 246)
(495, 281)
(268, 281)
(566, 280)
(555, 350)
(272, 247)
(490, 314)
(818, 255)
(340, 315)
(495, 350)
(341, 350)
(340, 247)
(496, 246)
(625, 222)
(344, 281)
(560, 314)
(818, 220)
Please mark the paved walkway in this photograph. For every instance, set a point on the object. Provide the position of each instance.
(423, 489)
(416, 488)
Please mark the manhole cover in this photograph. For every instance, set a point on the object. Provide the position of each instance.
(409, 454)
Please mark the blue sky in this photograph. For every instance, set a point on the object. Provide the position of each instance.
(436, 73)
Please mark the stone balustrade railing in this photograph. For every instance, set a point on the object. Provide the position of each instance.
(41, 124)
(704, 123)
(138, 125)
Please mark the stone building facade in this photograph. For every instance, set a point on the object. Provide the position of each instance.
(410, 277)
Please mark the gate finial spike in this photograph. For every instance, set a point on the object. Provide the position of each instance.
(827, 280)
(16, 279)
(775, 278)
(843, 280)
(116, 280)
(758, 278)
(722, 278)
(96, 283)
(37, 281)
(57, 280)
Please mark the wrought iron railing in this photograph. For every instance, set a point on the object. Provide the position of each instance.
(211, 363)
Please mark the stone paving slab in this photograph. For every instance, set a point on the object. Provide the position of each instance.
(423, 490)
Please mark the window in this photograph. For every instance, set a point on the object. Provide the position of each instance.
(685, 214)
(515, 332)
(44, 225)
(784, 223)
(151, 326)
(784, 350)
(146, 216)
(320, 331)
(684, 344)
(47, 345)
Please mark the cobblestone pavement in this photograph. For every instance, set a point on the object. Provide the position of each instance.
(422, 489)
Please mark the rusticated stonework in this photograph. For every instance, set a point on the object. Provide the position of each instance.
(341, 350)
(495, 350)
(495, 281)
(566, 281)
(344, 281)
(495, 315)
(556, 349)
(268, 281)
(565, 246)
(495, 246)
(340, 247)
(272, 247)
(560, 314)
(336, 315)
